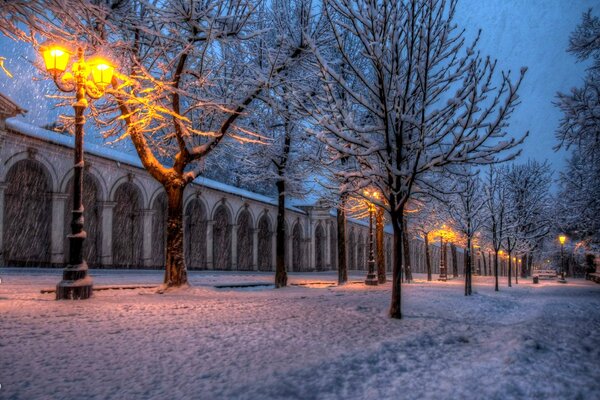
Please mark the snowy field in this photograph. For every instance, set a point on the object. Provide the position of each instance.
(303, 342)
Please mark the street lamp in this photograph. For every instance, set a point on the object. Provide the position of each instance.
(562, 239)
(516, 269)
(76, 283)
(371, 278)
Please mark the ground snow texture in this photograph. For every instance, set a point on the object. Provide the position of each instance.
(303, 342)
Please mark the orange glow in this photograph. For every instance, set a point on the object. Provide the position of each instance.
(56, 59)
(102, 72)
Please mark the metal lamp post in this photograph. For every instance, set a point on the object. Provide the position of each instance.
(371, 278)
(76, 283)
(562, 239)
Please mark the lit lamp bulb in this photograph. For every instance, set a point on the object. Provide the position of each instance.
(102, 72)
(562, 239)
(56, 59)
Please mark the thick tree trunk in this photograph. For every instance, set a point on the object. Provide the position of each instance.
(406, 244)
(396, 304)
(524, 266)
(175, 270)
(380, 258)
(280, 270)
(341, 241)
(496, 270)
(454, 260)
(427, 256)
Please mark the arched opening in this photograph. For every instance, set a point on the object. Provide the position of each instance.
(361, 252)
(27, 215)
(319, 248)
(264, 244)
(91, 216)
(244, 241)
(126, 228)
(195, 235)
(222, 239)
(159, 231)
(352, 251)
(297, 253)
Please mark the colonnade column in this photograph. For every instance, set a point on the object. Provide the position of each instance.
(209, 244)
(57, 233)
(2, 188)
(147, 216)
(254, 249)
(106, 219)
(234, 242)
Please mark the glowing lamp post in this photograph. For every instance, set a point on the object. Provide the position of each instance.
(562, 239)
(76, 283)
(371, 278)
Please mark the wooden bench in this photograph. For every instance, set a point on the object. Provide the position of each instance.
(595, 277)
(545, 273)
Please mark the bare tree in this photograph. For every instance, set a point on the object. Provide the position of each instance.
(417, 99)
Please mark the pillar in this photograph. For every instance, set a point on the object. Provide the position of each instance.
(255, 249)
(147, 215)
(327, 247)
(209, 244)
(57, 234)
(2, 188)
(273, 236)
(106, 219)
(234, 242)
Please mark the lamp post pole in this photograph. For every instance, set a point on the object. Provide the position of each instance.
(371, 275)
(76, 283)
(562, 239)
(443, 272)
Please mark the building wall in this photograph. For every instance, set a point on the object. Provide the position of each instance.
(126, 214)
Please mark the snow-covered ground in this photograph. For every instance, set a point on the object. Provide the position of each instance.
(303, 342)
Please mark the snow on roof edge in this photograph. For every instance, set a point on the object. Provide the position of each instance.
(115, 155)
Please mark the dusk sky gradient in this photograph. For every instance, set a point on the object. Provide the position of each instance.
(531, 33)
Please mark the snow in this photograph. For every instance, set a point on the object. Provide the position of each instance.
(315, 341)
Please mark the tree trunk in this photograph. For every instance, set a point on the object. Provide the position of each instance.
(280, 270)
(427, 256)
(454, 260)
(406, 244)
(509, 269)
(341, 241)
(496, 270)
(485, 271)
(468, 263)
(175, 271)
(396, 304)
(381, 278)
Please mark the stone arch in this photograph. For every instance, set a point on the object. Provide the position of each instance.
(360, 257)
(91, 216)
(127, 225)
(320, 247)
(32, 155)
(244, 240)
(297, 248)
(92, 172)
(132, 180)
(27, 214)
(222, 237)
(159, 229)
(265, 241)
(195, 234)
(352, 250)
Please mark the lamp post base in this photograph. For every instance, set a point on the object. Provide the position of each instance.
(372, 279)
(75, 285)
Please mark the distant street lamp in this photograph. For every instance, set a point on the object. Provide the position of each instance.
(76, 283)
(562, 239)
(371, 278)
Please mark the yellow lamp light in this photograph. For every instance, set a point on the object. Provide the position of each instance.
(56, 59)
(562, 239)
(102, 72)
